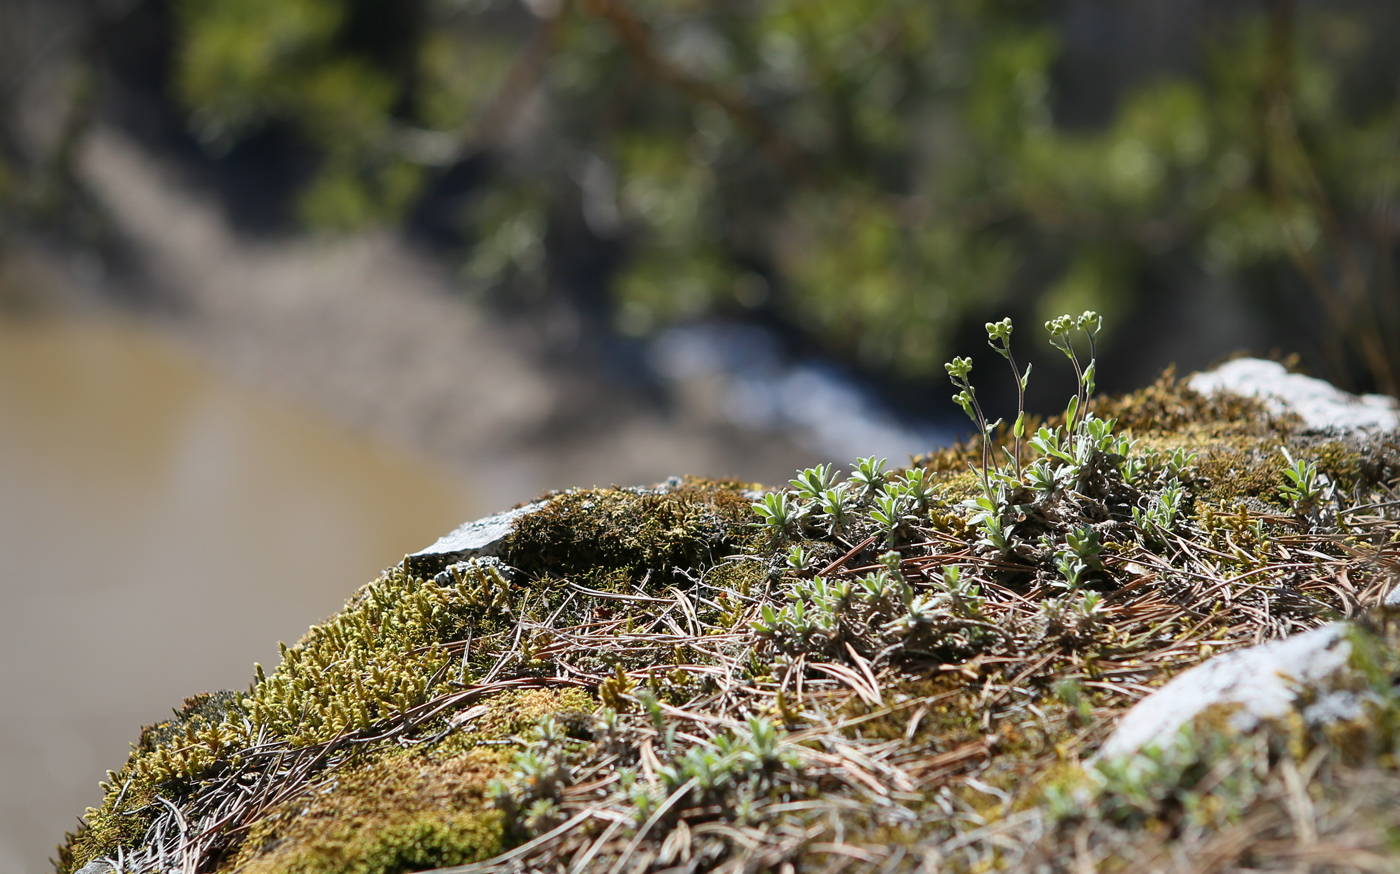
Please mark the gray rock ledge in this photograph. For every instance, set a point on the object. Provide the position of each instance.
(480, 538)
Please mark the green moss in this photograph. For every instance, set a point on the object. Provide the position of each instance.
(1166, 414)
(166, 758)
(740, 577)
(372, 661)
(1231, 474)
(734, 582)
(509, 714)
(402, 813)
(1355, 463)
(364, 667)
(114, 824)
(643, 534)
(929, 708)
(1171, 406)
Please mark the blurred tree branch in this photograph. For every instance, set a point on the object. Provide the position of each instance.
(635, 38)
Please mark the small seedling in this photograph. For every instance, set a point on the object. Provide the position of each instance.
(779, 512)
(1086, 544)
(1160, 516)
(964, 593)
(1042, 478)
(987, 517)
(917, 485)
(1133, 469)
(869, 475)
(1180, 462)
(1050, 442)
(1089, 613)
(1097, 433)
(890, 514)
(810, 483)
(797, 558)
(1070, 567)
(837, 505)
(1302, 488)
(892, 560)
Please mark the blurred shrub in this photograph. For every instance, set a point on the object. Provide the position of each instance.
(875, 173)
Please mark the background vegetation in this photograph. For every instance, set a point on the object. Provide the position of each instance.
(871, 178)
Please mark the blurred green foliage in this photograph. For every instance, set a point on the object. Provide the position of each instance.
(875, 173)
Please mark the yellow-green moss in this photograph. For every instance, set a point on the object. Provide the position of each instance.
(1164, 413)
(509, 714)
(734, 582)
(1171, 406)
(166, 757)
(371, 661)
(104, 828)
(401, 813)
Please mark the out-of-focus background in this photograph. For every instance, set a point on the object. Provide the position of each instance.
(290, 287)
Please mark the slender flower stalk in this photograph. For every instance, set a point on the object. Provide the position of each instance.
(999, 338)
(958, 369)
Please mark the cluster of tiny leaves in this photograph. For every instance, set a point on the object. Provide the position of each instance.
(874, 613)
(881, 612)
(730, 772)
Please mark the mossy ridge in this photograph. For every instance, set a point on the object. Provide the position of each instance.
(929, 742)
(129, 801)
(1258, 800)
(508, 716)
(1030, 704)
(415, 830)
(362, 670)
(376, 662)
(1164, 411)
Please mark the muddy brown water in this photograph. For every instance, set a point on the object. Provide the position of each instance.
(160, 531)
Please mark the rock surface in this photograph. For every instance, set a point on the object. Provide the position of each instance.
(1262, 682)
(1321, 405)
(1267, 681)
(480, 538)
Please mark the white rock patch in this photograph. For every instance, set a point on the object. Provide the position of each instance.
(482, 537)
(1264, 681)
(1320, 404)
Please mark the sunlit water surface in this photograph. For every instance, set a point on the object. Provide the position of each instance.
(161, 530)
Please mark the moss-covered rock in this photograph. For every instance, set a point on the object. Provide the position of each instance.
(405, 811)
(895, 669)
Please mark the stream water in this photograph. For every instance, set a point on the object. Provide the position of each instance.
(161, 530)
